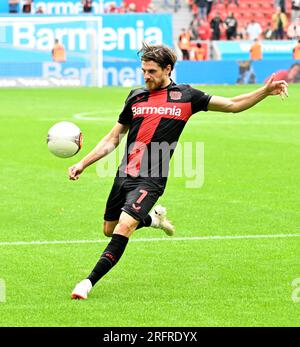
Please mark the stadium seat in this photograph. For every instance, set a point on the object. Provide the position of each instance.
(238, 16)
(243, 7)
(259, 16)
(220, 7)
(141, 5)
(232, 8)
(267, 6)
(248, 16)
(254, 6)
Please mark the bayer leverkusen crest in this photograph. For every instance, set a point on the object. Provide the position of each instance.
(174, 95)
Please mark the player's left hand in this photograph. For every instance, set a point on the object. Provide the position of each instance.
(277, 87)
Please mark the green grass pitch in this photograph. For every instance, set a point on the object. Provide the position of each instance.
(251, 187)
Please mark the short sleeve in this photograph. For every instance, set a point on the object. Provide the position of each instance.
(126, 115)
(199, 100)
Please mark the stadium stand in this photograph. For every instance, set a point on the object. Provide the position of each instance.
(260, 14)
(246, 10)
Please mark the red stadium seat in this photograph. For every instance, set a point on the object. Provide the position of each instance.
(238, 16)
(243, 7)
(141, 5)
(254, 6)
(220, 7)
(259, 16)
(232, 8)
(267, 6)
(248, 16)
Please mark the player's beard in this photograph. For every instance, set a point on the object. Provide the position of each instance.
(153, 85)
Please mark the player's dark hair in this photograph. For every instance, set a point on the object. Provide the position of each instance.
(160, 54)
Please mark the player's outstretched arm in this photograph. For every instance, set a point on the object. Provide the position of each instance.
(243, 102)
(104, 147)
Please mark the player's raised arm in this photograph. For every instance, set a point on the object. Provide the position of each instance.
(243, 102)
(104, 147)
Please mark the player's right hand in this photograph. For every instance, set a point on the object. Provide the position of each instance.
(274, 87)
(75, 171)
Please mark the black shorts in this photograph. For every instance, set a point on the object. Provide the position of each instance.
(133, 195)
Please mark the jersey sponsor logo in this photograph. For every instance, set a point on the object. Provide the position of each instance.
(164, 111)
(175, 95)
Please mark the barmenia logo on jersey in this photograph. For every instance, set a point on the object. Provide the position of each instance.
(165, 111)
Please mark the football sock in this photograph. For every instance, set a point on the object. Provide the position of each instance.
(145, 222)
(109, 257)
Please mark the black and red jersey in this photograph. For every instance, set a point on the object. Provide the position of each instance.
(156, 121)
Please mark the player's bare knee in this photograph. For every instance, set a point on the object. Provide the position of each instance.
(124, 228)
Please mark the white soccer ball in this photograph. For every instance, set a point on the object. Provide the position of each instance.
(64, 139)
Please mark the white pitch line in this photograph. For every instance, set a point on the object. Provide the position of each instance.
(193, 238)
(86, 116)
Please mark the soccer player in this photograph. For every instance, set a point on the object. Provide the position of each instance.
(151, 116)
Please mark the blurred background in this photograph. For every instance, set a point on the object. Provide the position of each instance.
(94, 43)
